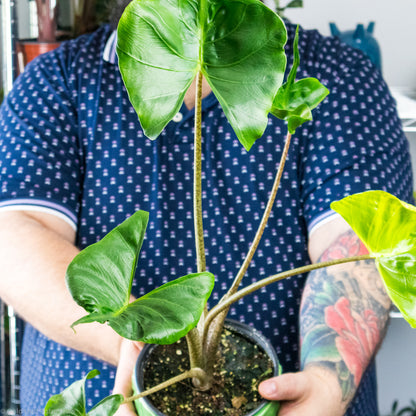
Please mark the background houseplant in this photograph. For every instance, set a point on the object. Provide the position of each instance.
(281, 6)
(47, 40)
(409, 410)
(86, 16)
(47, 13)
(292, 101)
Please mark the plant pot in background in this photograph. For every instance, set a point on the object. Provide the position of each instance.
(29, 49)
(244, 334)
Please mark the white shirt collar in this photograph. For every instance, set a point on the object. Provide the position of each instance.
(109, 54)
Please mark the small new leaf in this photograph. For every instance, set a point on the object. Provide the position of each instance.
(72, 401)
(295, 101)
(387, 226)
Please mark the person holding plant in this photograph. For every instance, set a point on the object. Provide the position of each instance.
(74, 164)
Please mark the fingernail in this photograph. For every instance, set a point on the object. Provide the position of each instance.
(267, 388)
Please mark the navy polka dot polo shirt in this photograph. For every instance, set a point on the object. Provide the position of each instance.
(71, 145)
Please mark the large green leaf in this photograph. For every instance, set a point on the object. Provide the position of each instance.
(165, 314)
(100, 276)
(100, 279)
(71, 402)
(387, 226)
(295, 101)
(238, 45)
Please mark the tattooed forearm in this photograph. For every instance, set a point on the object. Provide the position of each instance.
(344, 314)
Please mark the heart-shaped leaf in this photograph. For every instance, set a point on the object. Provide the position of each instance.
(387, 226)
(72, 401)
(100, 279)
(100, 276)
(165, 314)
(295, 101)
(238, 45)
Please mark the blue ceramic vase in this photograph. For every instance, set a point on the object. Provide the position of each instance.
(360, 38)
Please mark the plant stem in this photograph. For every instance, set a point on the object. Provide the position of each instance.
(216, 310)
(192, 373)
(193, 338)
(198, 221)
(237, 281)
(195, 351)
(212, 334)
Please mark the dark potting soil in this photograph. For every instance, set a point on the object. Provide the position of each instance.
(239, 369)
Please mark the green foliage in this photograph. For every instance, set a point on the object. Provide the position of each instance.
(108, 265)
(387, 226)
(295, 101)
(287, 5)
(238, 45)
(294, 3)
(100, 279)
(72, 401)
(405, 411)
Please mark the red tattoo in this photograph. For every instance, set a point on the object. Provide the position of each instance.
(348, 245)
(358, 336)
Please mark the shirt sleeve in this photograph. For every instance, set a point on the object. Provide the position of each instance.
(356, 142)
(40, 161)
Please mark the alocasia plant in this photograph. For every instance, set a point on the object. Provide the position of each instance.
(238, 46)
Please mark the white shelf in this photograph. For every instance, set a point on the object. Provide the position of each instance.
(395, 314)
(406, 107)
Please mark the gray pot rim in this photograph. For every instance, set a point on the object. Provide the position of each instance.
(243, 329)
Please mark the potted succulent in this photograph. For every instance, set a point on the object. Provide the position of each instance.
(250, 79)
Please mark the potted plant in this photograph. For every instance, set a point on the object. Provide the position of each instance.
(28, 49)
(247, 78)
(87, 15)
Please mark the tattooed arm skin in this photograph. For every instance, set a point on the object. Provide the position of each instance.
(343, 319)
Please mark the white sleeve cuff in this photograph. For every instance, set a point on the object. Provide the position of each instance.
(39, 205)
(322, 219)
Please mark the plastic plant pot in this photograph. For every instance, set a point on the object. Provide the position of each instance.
(265, 408)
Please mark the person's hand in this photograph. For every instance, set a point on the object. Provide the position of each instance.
(312, 392)
(129, 351)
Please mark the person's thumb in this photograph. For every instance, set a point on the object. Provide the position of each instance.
(290, 386)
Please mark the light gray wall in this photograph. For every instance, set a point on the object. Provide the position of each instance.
(395, 29)
(396, 366)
